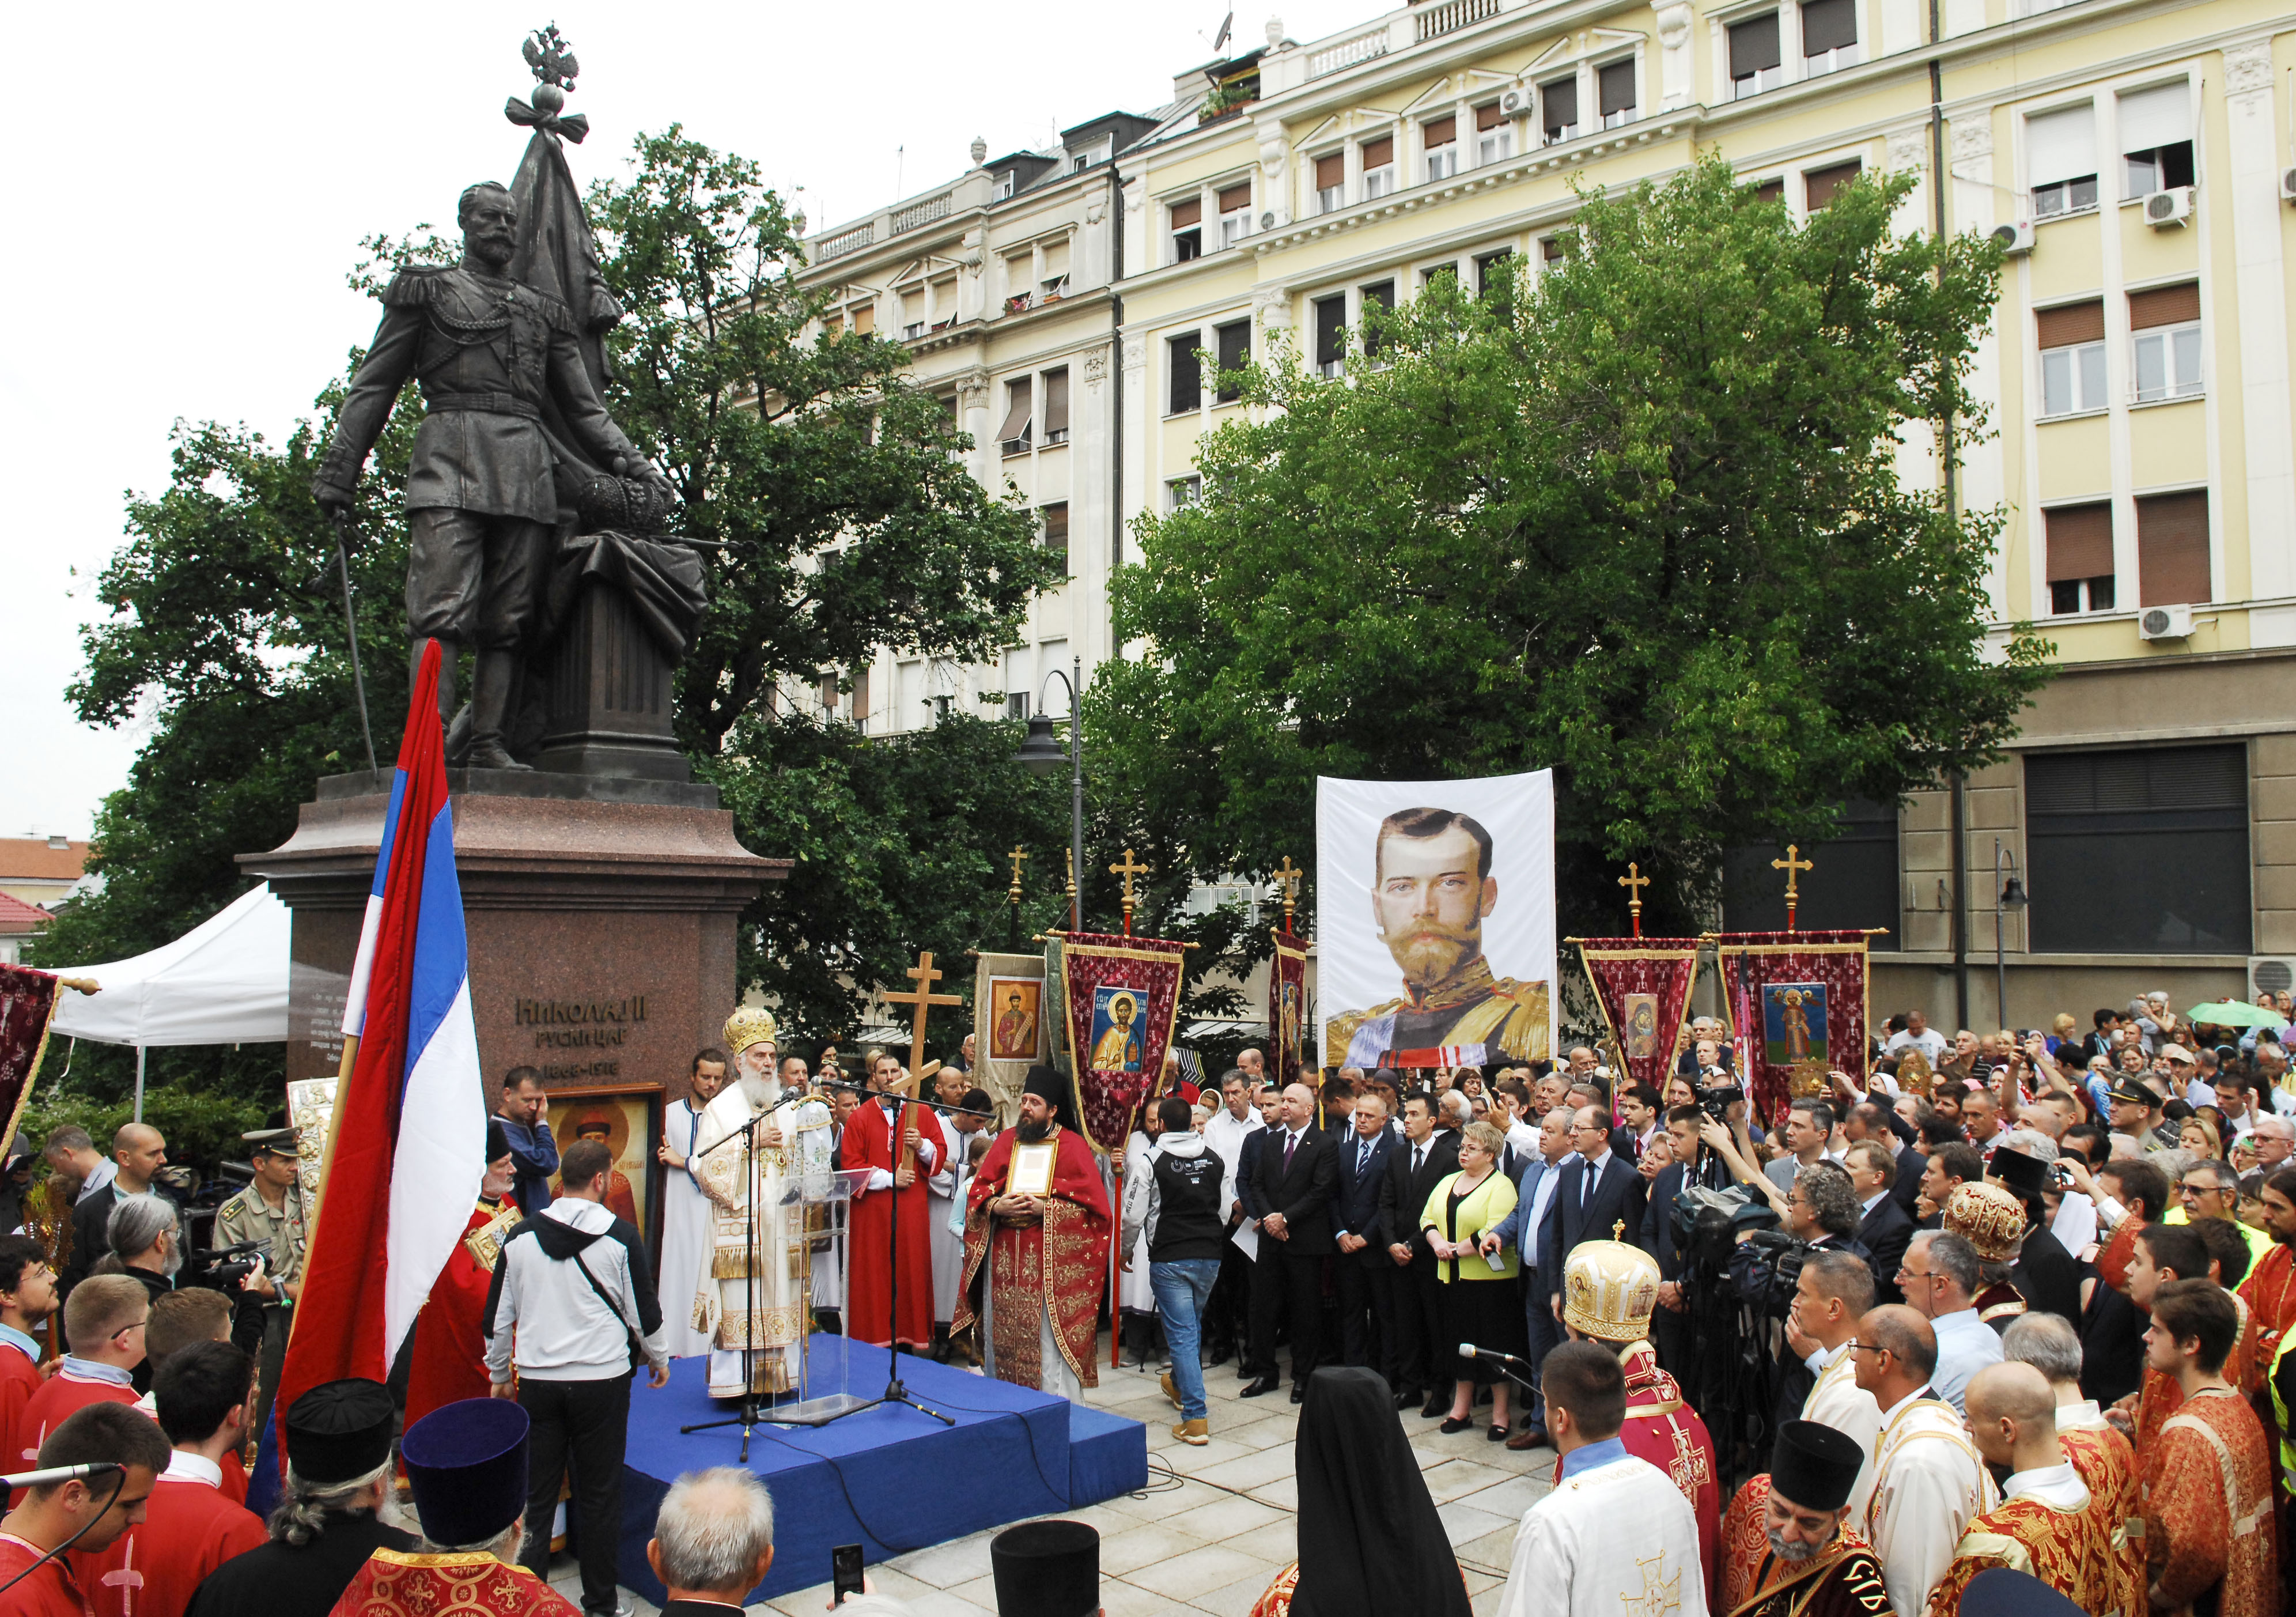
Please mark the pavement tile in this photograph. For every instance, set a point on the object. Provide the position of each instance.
(1245, 1475)
(1284, 1491)
(946, 1565)
(1463, 1523)
(1234, 1599)
(1198, 1571)
(1459, 1478)
(1142, 1545)
(1118, 1598)
(1511, 1497)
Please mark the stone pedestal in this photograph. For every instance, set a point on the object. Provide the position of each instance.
(610, 696)
(601, 915)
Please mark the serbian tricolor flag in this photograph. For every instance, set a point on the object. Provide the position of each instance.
(408, 1151)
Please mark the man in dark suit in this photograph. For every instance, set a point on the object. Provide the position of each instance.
(1422, 1160)
(1297, 1169)
(1885, 1229)
(1597, 1190)
(1363, 1273)
(1871, 1120)
(1270, 1104)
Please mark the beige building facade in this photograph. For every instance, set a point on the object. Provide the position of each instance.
(2135, 158)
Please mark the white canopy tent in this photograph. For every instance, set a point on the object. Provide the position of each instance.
(222, 982)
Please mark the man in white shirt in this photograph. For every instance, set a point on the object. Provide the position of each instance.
(1615, 1534)
(1834, 1292)
(1939, 1279)
(1917, 1034)
(1929, 1481)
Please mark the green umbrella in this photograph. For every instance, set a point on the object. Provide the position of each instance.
(2231, 1014)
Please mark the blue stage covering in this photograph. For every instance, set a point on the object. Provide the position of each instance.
(889, 1479)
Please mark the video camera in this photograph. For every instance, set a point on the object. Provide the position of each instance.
(223, 1267)
(1768, 1268)
(1716, 1103)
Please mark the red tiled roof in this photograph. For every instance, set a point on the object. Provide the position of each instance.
(18, 917)
(24, 858)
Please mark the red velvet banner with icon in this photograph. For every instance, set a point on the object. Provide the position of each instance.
(1797, 1010)
(1643, 985)
(1122, 995)
(1287, 1008)
(28, 1003)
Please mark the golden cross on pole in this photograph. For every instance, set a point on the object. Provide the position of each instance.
(1634, 881)
(1288, 875)
(1127, 870)
(1793, 867)
(1016, 856)
(921, 1000)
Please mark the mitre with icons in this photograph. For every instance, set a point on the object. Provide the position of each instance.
(1610, 1288)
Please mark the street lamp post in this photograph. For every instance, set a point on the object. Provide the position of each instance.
(1040, 754)
(2009, 895)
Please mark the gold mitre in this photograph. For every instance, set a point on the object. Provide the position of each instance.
(753, 1024)
(1989, 1218)
(1610, 1290)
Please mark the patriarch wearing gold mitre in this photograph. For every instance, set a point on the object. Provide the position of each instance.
(764, 1311)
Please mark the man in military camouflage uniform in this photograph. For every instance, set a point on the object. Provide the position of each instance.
(271, 1211)
(481, 499)
(1431, 886)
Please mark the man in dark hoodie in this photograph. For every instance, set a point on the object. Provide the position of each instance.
(1176, 1201)
(572, 1286)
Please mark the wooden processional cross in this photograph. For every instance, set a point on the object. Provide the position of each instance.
(1127, 870)
(920, 1000)
(1793, 867)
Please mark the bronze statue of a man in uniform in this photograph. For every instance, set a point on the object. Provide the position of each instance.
(480, 500)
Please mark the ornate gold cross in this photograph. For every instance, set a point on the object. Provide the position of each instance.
(1792, 867)
(1127, 870)
(1634, 881)
(1016, 856)
(1287, 876)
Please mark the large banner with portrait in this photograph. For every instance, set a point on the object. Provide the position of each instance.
(1121, 995)
(1435, 921)
(1797, 1010)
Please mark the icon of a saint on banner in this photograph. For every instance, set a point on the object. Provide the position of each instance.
(1793, 1022)
(1117, 1046)
(1638, 1013)
(1013, 1036)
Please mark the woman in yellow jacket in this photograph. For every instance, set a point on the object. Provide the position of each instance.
(1482, 1302)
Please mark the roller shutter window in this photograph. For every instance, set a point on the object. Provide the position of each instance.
(2079, 540)
(1820, 184)
(1440, 131)
(1013, 436)
(1828, 25)
(1187, 231)
(1755, 61)
(1234, 350)
(2060, 160)
(1330, 169)
(1614, 86)
(2164, 325)
(1056, 529)
(1056, 407)
(2156, 138)
(1184, 214)
(1378, 294)
(1558, 110)
(1234, 197)
(1378, 166)
(865, 318)
(1331, 331)
(1181, 354)
(2172, 548)
(2140, 851)
(1489, 116)
(2071, 339)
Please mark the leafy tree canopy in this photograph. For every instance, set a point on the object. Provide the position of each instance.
(1640, 519)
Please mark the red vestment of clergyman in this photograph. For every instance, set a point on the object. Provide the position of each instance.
(871, 1141)
(1060, 1265)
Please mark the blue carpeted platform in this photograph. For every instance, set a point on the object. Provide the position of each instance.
(889, 1479)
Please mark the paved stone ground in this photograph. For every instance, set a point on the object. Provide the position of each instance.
(1215, 1523)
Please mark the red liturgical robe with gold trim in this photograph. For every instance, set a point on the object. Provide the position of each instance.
(394, 1583)
(1029, 1271)
(2208, 1508)
(1841, 1579)
(2072, 1551)
(448, 1362)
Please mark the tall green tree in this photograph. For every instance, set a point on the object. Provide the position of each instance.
(1640, 519)
(848, 524)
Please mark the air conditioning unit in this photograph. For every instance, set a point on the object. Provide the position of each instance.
(1268, 221)
(2014, 238)
(2173, 205)
(2165, 623)
(1515, 104)
(2270, 974)
(2288, 185)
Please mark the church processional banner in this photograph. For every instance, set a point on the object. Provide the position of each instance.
(27, 1003)
(1122, 995)
(1287, 1007)
(1643, 985)
(1008, 1030)
(1797, 1005)
(1435, 921)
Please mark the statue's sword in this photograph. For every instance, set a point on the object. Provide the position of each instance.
(341, 526)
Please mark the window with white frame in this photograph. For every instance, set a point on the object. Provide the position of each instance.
(2079, 544)
(1438, 137)
(1614, 93)
(1056, 407)
(1331, 181)
(1053, 280)
(2060, 160)
(1232, 351)
(2070, 337)
(1493, 135)
(1757, 63)
(1185, 231)
(1820, 186)
(1181, 356)
(1017, 433)
(2156, 139)
(1182, 492)
(1056, 529)
(913, 313)
(1829, 36)
(1331, 326)
(1235, 213)
(1558, 111)
(2164, 324)
(1020, 283)
(1378, 166)
(1380, 295)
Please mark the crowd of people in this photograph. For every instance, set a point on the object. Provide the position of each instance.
(2007, 1304)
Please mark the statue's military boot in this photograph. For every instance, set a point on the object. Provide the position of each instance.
(491, 683)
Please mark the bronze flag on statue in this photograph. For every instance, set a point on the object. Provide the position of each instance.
(1121, 995)
(1287, 1007)
(1797, 1011)
(1643, 985)
(28, 1003)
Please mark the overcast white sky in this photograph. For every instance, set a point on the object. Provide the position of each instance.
(195, 182)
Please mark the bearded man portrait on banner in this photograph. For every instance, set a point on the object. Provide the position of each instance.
(1037, 1231)
(766, 1312)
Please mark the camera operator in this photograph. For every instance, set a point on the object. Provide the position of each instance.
(270, 1210)
(1663, 1236)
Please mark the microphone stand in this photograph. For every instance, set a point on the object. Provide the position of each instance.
(896, 1392)
(1505, 1363)
(750, 1414)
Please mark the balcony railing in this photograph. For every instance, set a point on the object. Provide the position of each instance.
(1439, 19)
(851, 240)
(923, 213)
(1363, 47)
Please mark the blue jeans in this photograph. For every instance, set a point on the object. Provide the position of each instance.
(1182, 1287)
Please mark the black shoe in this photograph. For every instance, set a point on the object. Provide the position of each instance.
(1455, 1423)
(1265, 1383)
(1299, 1391)
(1434, 1407)
(1405, 1400)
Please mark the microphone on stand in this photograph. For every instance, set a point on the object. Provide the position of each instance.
(54, 1474)
(1468, 1350)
